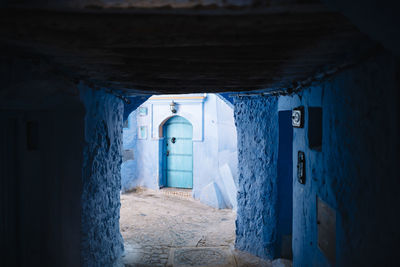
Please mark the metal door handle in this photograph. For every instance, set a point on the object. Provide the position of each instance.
(173, 140)
(167, 153)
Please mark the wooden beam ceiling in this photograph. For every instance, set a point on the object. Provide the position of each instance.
(186, 52)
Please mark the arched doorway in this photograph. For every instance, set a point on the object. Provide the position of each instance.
(178, 153)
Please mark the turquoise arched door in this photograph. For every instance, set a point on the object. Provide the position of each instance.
(178, 153)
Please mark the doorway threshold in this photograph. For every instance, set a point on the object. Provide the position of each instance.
(184, 193)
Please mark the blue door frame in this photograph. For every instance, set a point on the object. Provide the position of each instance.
(177, 153)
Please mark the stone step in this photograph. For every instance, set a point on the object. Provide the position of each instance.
(177, 192)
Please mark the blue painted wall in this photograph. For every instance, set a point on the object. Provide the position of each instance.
(129, 138)
(102, 243)
(132, 104)
(257, 216)
(354, 171)
(227, 97)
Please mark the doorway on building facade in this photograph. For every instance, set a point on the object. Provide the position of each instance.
(178, 153)
(185, 145)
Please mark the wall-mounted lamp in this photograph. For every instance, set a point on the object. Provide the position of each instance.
(172, 107)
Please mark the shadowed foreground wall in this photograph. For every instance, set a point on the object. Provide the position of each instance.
(60, 178)
(354, 171)
(41, 144)
(102, 243)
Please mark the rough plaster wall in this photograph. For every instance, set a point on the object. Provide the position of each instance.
(257, 131)
(355, 173)
(102, 243)
(129, 167)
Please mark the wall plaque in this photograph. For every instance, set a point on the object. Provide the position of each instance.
(301, 167)
(314, 132)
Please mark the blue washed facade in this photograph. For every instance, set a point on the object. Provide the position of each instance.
(214, 146)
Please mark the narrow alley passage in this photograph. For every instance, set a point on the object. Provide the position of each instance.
(165, 230)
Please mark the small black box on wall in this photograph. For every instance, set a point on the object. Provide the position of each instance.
(315, 128)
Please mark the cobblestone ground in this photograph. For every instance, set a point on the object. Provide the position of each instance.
(168, 230)
(152, 224)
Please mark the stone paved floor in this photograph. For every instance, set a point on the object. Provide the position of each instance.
(160, 230)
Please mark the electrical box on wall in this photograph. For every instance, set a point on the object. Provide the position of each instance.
(301, 167)
(314, 132)
(298, 117)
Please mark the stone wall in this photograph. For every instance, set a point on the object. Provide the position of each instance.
(102, 243)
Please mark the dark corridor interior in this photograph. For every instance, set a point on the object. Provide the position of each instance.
(315, 89)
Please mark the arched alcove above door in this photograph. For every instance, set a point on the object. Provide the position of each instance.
(191, 107)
